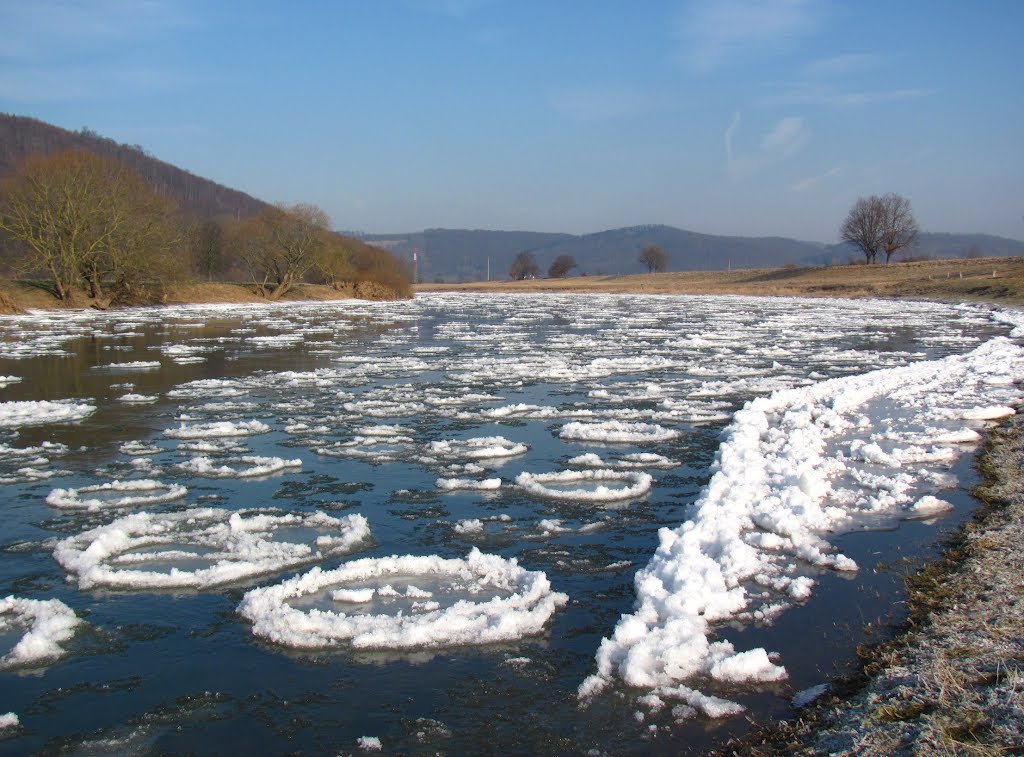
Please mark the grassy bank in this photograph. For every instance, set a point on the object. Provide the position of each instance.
(18, 296)
(985, 279)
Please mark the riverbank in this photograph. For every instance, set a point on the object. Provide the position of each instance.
(985, 279)
(19, 296)
(951, 681)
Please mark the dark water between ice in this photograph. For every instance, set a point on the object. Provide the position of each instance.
(175, 672)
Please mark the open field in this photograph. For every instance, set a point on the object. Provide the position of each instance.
(990, 279)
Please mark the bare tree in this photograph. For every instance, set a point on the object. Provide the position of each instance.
(899, 227)
(654, 258)
(87, 221)
(863, 226)
(880, 224)
(561, 266)
(280, 245)
(524, 266)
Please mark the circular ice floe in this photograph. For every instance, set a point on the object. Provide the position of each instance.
(479, 448)
(217, 429)
(116, 494)
(566, 485)
(636, 460)
(42, 412)
(204, 548)
(246, 466)
(617, 432)
(46, 624)
(405, 602)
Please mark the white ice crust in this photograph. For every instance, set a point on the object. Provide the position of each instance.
(43, 412)
(116, 494)
(46, 625)
(624, 485)
(481, 599)
(203, 548)
(785, 476)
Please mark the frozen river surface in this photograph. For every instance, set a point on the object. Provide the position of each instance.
(546, 524)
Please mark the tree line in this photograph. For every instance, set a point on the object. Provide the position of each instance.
(91, 228)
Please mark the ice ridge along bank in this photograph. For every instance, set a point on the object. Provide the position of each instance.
(794, 467)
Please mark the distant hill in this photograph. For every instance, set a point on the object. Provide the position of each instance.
(21, 136)
(453, 255)
(459, 255)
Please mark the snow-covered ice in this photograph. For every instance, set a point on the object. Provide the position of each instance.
(781, 484)
(45, 624)
(116, 494)
(482, 599)
(203, 548)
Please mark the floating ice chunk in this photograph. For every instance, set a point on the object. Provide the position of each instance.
(116, 494)
(48, 623)
(204, 548)
(216, 429)
(250, 466)
(43, 412)
(929, 506)
(369, 743)
(138, 399)
(137, 365)
(482, 599)
(456, 484)
(139, 448)
(808, 695)
(469, 526)
(8, 721)
(556, 485)
(8, 380)
(989, 413)
(636, 460)
(617, 432)
(478, 448)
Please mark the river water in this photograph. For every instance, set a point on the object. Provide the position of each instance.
(417, 420)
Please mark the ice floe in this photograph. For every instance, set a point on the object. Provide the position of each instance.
(43, 412)
(203, 548)
(216, 429)
(45, 624)
(617, 432)
(116, 494)
(243, 466)
(417, 602)
(586, 485)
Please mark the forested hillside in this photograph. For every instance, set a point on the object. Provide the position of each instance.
(21, 136)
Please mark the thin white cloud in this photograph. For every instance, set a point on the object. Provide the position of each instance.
(805, 185)
(813, 93)
(714, 33)
(785, 139)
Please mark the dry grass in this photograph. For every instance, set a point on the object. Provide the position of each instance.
(988, 279)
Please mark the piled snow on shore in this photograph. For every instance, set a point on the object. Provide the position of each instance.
(405, 602)
(46, 624)
(791, 469)
(203, 548)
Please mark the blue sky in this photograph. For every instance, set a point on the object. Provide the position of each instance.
(726, 117)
